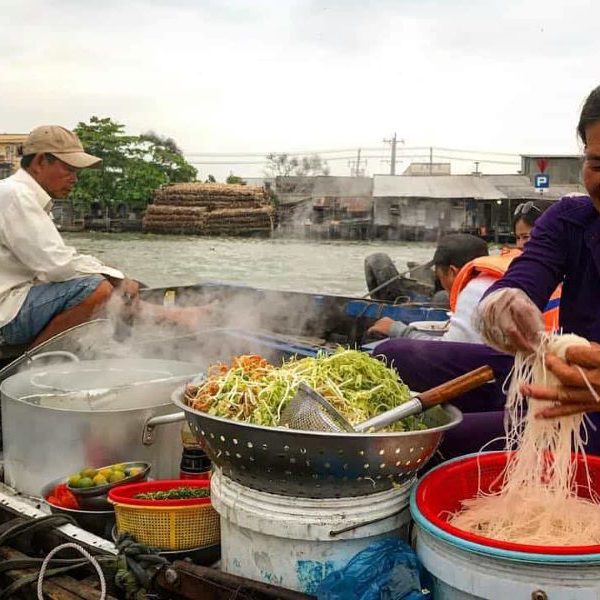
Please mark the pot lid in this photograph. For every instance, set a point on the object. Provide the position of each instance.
(99, 385)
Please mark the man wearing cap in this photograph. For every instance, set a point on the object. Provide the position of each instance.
(453, 252)
(45, 285)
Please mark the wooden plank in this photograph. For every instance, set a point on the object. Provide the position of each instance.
(195, 582)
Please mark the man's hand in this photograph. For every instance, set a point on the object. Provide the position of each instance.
(127, 292)
(510, 321)
(382, 326)
(573, 394)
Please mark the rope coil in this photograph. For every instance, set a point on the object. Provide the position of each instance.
(81, 550)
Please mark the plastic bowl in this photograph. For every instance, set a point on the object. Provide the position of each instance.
(441, 491)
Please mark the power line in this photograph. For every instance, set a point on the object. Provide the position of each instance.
(264, 154)
(351, 150)
(363, 158)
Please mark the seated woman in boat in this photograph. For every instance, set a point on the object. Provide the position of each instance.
(47, 287)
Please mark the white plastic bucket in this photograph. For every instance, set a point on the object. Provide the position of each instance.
(288, 541)
(460, 574)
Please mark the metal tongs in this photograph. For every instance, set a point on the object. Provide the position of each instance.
(309, 411)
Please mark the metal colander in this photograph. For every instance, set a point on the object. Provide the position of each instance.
(313, 464)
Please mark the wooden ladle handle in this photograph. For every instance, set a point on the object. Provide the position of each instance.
(455, 387)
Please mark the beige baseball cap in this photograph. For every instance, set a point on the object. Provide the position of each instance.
(59, 142)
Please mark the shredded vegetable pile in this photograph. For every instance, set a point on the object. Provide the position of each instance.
(254, 391)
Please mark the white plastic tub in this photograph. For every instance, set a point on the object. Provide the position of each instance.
(461, 574)
(288, 541)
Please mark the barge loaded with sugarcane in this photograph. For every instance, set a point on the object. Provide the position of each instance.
(210, 209)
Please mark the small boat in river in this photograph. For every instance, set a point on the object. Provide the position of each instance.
(289, 321)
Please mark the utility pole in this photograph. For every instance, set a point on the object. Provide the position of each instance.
(355, 168)
(393, 142)
(430, 160)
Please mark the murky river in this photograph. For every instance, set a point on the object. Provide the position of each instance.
(317, 266)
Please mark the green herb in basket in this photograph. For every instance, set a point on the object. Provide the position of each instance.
(178, 493)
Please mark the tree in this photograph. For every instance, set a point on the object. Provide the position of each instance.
(210, 179)
(132, 166)
(284, 165)
(168, 157)
(231, 178)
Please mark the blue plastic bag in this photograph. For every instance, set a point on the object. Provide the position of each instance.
(386, 570)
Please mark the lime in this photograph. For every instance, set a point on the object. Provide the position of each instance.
(88, 472)
(117, 476)
(131, 472)
(85, 482)
(119, 467)
(100, 480)
(74, 479)
(106, 473)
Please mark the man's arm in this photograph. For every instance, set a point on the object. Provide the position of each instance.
(28, 231)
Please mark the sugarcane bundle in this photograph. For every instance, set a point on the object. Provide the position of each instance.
(209, 204)
(158, 209)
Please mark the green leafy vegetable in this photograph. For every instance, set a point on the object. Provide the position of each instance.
(179, 493)
(251, 390)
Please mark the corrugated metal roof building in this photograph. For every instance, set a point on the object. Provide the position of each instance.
(9, 155)
(422, 207)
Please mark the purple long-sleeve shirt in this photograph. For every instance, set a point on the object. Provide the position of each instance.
(564, 247)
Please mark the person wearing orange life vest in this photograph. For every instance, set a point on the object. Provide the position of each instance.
(453, 252)
(496, 267)
(472, 280)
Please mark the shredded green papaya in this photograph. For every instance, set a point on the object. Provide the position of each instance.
(253, 391)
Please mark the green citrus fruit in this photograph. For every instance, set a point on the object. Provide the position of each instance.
(117, 476)
(100, 480)
(85, 482)
(74, 479)
(88, 472)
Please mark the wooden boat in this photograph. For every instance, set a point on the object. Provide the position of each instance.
(289, 321)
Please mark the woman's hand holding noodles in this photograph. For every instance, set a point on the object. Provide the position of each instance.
(579, 376)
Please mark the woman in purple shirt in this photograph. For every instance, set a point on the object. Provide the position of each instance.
(564, 247)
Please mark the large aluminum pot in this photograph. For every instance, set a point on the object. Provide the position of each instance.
(59, 418)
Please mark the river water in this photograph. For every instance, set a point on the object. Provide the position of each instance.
(334, 267)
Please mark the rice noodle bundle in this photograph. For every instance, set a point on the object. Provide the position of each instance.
(537, 502)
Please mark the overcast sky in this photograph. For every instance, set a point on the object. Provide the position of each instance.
(271, 75)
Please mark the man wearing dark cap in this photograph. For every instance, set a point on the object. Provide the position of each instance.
(453, 252)
(46, 286)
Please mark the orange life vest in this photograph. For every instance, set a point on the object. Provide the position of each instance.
(496, 266)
